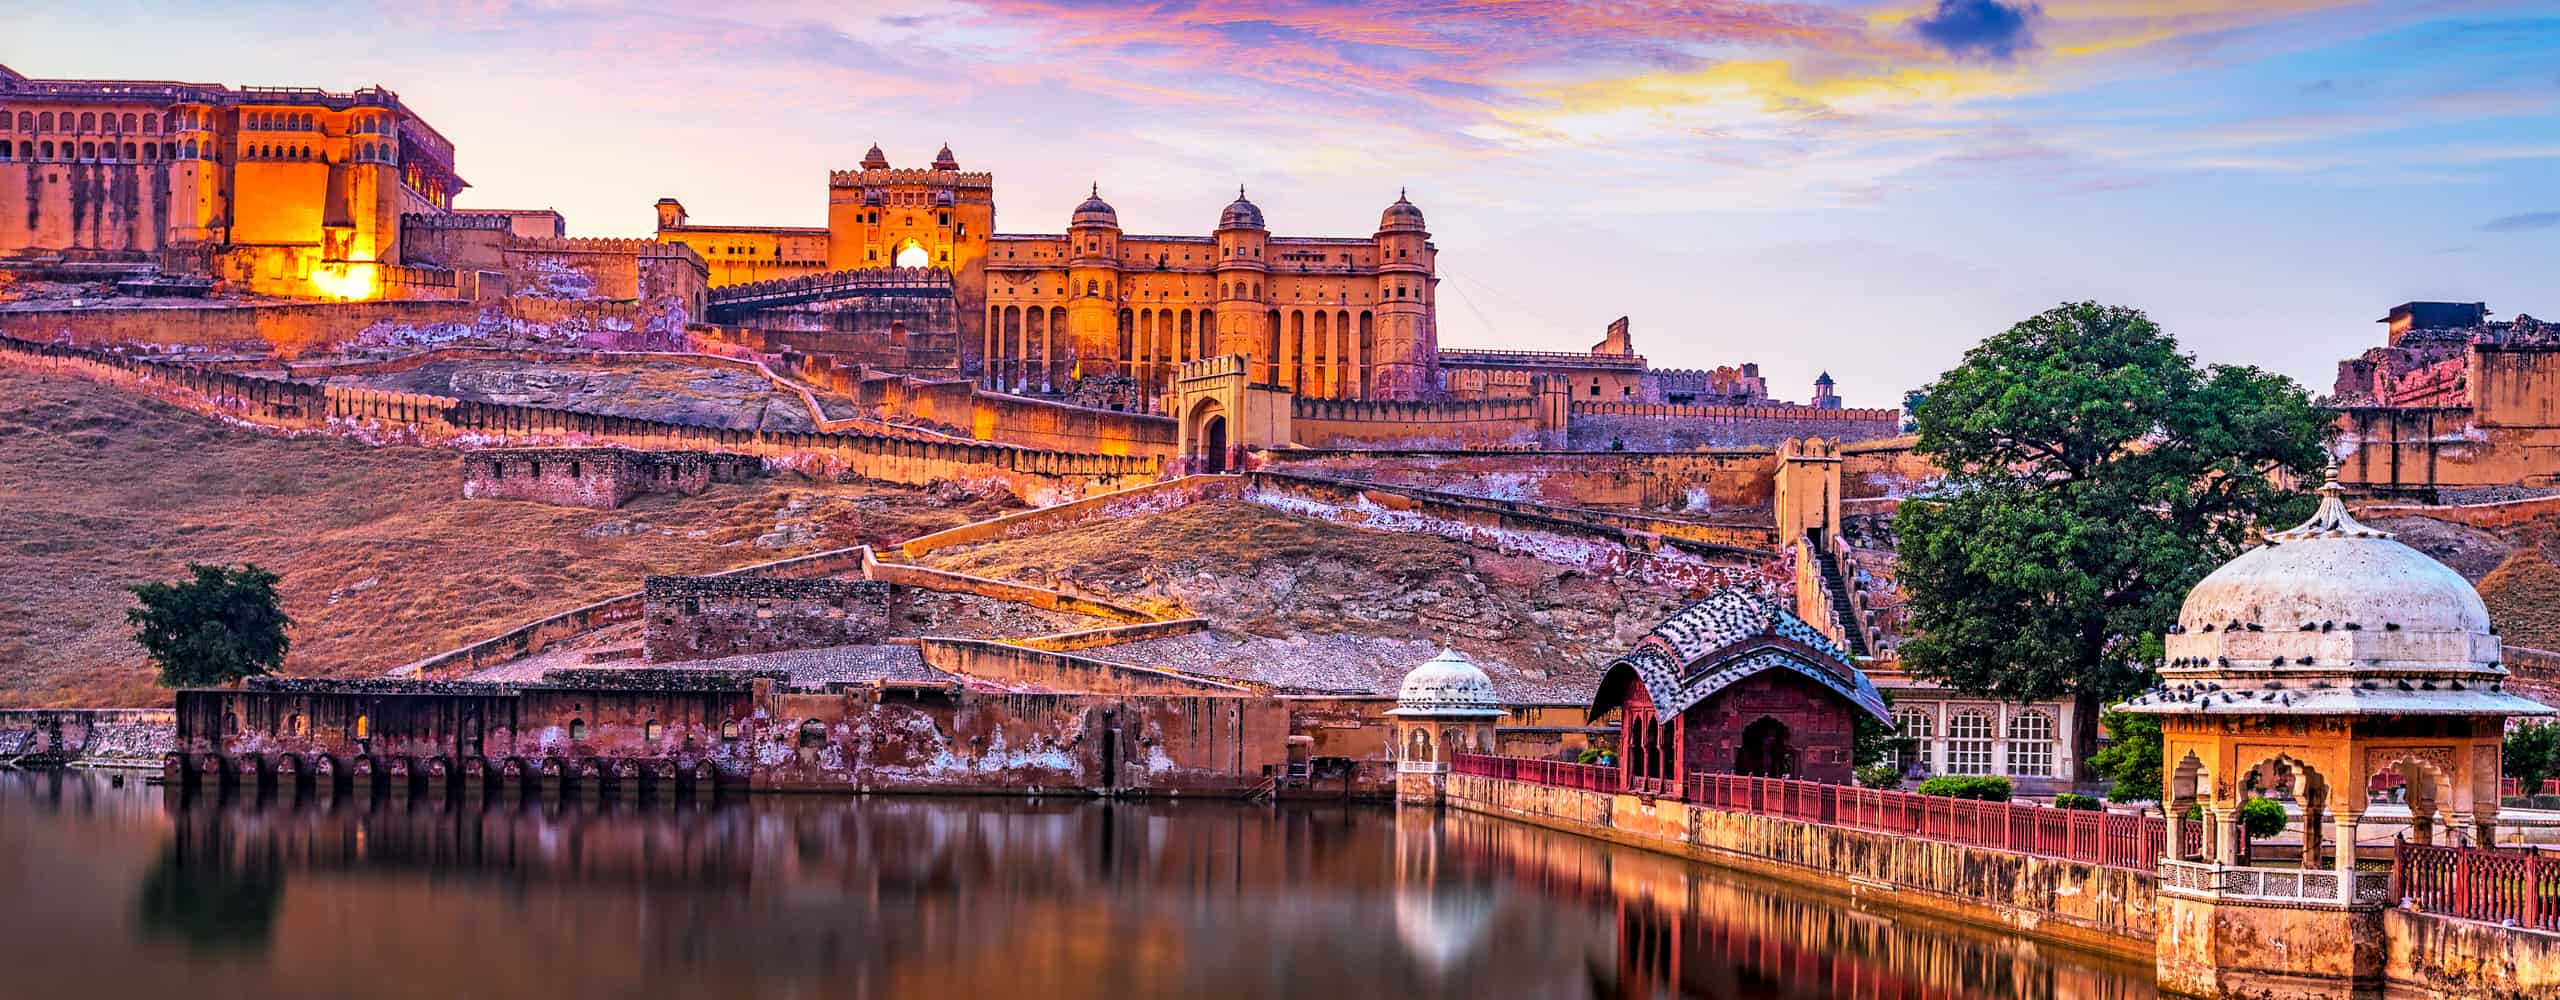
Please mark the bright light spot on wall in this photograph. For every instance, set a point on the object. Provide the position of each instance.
(345, 281)
(914, 255)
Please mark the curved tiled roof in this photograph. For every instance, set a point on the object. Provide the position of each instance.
(1724, 638)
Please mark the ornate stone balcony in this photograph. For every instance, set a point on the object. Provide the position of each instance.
(2289, 886)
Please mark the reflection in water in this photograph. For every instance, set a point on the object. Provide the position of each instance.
(909, 897)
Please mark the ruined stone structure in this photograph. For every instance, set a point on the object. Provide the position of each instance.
(282, 190)
(601, 478)
(1735, 684)
(2452, 401)
(2300, 669)
(701, 618)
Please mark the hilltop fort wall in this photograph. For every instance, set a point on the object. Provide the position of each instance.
(371, 415)
(600, 478)
(1664, 427)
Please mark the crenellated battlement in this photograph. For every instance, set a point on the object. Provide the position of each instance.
(1668, 411)
(937, 178)
(585, 244)
(453, 220)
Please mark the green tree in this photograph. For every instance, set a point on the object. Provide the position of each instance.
(1911, 400)
(2131, 760)
(2532, 755)
(217, 626)
(2260, 818)
(2093, 473)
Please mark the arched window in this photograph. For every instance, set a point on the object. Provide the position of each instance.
(364, 727)
(813, 733)
(652, 731)
(5, 119)
(191, 149)
(129, 121)
(294, 726)
(1913, 728)
(26, 122)
(48, 150)
(132, 152)
(88, 121)
(151, 124)
(1969, 742)
(729, 730)
(47, 121)
(88, 151)
(2031, 739)
(150, 152)
(577, 729)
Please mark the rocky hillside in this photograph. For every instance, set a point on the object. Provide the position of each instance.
(2517, 570)
(382, 560)
(1258, 573)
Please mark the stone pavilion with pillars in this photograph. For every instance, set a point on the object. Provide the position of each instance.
(1446, 706)
(2328, 655)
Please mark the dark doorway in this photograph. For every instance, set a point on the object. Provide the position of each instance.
(1765, 750)
(1213, 445)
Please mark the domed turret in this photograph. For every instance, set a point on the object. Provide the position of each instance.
(1240, 214)
(1400, 217)
(875, 159)
(1447, 686)
(2333, 617)
(944, 161)
(1095, 211)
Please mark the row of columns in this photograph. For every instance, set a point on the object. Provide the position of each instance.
(1319, 353)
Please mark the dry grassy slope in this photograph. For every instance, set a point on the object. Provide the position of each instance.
(1254, 570)
(383, 562)
(2514, 569)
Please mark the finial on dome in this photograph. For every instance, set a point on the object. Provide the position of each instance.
(1097, 190)
(2332, 519)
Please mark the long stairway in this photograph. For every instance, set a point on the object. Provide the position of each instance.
(1838, 586)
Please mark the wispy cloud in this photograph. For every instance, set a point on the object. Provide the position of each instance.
(2524, 222)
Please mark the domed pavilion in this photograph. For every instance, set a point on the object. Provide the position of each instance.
(1446, 706)
(2331, 654)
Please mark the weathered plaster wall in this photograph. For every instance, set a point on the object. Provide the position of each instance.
(706, 617)
(1663, 427)
(2425, 955)
(600, 478)
(2109, 910)
(91, 736)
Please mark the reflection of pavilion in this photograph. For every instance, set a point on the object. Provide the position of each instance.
(2302, 668)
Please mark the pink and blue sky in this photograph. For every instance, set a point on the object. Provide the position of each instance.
(1863, 188)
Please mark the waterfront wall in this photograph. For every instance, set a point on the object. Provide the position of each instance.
(2425, 955)
(110, 737)
(2094, 907)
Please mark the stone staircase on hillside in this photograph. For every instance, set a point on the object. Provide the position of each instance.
(1836, 584)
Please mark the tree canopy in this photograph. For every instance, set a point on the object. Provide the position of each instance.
(217, 626)
(2532, 755)
(2094, 472)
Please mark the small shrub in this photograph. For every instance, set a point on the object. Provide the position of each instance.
(1595, 755)
(1984, 788)
(2075, 800)
(2261, 818)
(1880, 776)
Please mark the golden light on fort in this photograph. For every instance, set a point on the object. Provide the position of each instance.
(914, 255)
(346, 281)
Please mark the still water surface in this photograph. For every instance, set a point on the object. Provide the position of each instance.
(110, 891)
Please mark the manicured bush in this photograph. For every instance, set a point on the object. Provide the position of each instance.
(1984, 788)
(2075, 800)
(1880, 776)
(2261, 818)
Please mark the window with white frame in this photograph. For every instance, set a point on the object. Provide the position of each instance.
(2031, 744)
(1913, 729)
(1969, 742)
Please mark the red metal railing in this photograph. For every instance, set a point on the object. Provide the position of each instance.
(1562, 774)
(2133, 842)
(2477, 884)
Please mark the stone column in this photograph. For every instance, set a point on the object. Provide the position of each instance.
(2346, 860)
(2312, 801)
(2459, 827)
(2173, 844)
(2484, 825)
(2422, 819)
(2224, 845)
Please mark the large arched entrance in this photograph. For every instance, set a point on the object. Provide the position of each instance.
(1765, 750)
(912, 254)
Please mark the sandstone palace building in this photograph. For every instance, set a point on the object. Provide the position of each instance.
(281, 190)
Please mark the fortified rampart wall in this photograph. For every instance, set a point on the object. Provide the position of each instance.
(962, 409)
(287, 329)
(1694, 483)
(1665, 427)
(706, 617)
(1590, 540)
(1352, 424)
(378, 416)
(599, 478)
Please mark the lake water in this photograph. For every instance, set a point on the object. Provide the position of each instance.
(114, 891)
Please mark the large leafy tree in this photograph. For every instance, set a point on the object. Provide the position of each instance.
(219, 625)
(2093, 473)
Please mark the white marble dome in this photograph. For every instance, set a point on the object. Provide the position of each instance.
(1447, 686)
(2332, 618)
